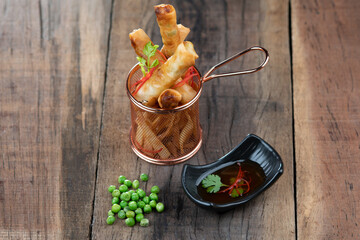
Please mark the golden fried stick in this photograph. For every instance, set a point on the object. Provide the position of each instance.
(166, 75)
(166, 18)
(139, 136)
(151, 138)
(172, 148)
(195, 118)
(183, 32)
(169, 126)
(186, 91)
(186, 132)
(176, 131)
(139, 39)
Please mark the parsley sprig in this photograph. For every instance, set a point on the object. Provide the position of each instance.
(149, 51)
(212, 183)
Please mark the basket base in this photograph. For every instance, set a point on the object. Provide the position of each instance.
(167, 161)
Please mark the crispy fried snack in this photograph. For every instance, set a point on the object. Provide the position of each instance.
(138, 40)
(167, 74)
(169, 99)
(186, 91)
(151, 141)
(166, 18)
(186, 132)
(183, 32)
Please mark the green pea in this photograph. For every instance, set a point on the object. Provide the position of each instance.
(123, 188)
(146, 200)
(122, 214)
(152, 203)
(123, 204)
(160, 207)
(138, 211)
(110, 213)
(110, 220)
(139, 217)
(144, 177)
(130, 214)
(115, 193)
(126, 209)
(132, 205)
(135, 184)
(153, 196)
(144, 222)
(115, 208)
(135, 197)
(130, 222)
(111, 188)
(141, 192)
(155, 189)
(121, 179)
(128, 183)
(147, 208)
(115, 200)
(125, 196)
(131, 192)
(141, 204)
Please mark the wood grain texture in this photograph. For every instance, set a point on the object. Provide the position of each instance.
(230, 109)
(326, 37)
(52, 66)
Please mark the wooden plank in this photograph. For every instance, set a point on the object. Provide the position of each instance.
(230, 109)
(326, 101)
(52, 65)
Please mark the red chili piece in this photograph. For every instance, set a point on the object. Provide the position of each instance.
(162, 55)
(143, 80)
(239, 182)
(190, 73)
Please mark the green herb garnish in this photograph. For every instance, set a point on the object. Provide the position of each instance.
(212, 183)
(149, 51)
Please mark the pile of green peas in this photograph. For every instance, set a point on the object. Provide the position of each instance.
(130, 202)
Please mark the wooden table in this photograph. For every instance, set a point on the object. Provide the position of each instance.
(65, 117)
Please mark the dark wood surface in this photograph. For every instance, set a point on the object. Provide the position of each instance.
(65, 117)
(53, 65)
(327, 114)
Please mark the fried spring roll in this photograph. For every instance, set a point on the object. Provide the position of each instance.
(138, 40)
(167, 74)
(186, 91)
(183, 32)
(169, 99)
(166, 18)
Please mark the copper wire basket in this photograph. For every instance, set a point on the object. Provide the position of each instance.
(167, 137)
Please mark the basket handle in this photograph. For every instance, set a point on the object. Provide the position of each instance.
(256, 48)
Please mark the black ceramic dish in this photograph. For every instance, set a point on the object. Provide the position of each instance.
(253, 148)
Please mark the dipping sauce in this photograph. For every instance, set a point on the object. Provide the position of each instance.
(253, 173)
